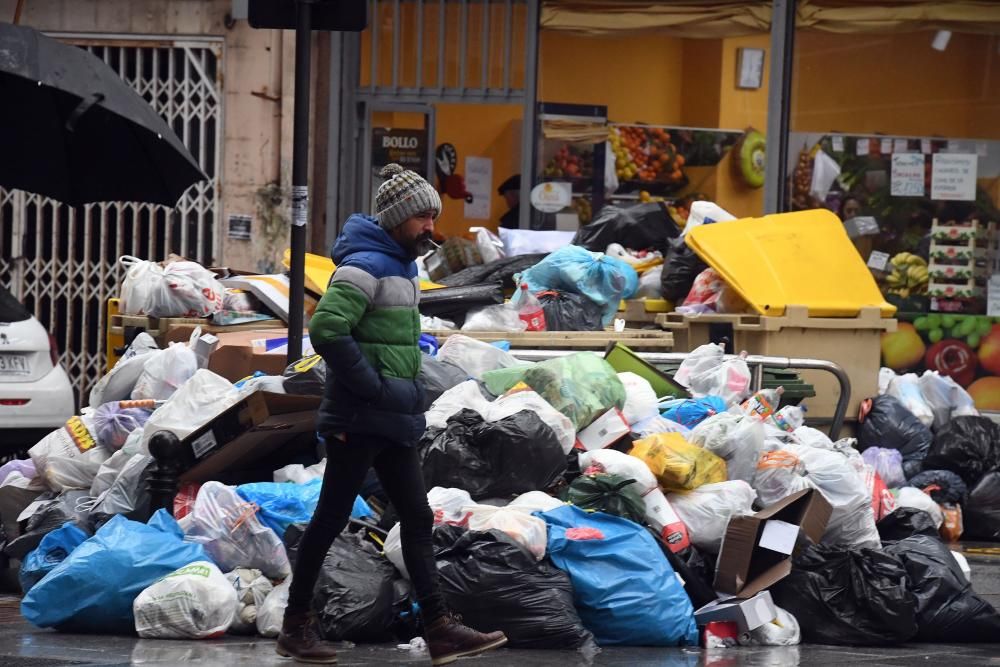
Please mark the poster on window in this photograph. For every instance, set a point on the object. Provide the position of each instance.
(953, 176)
(479, 184)
(907, 179)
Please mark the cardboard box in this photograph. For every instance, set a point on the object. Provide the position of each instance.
(603, 431)
(252, 429)
(748, 614)
(757, 550)
(236, 356)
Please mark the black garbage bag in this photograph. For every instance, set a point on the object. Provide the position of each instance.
(696, 568)
(906, 522)
(889, 424)
(355, 595)
(607, 493)
(452, 303)
(638, 227)
(306, 377)
(680, 268)
(502, 271)
(565, 311)
(945, 486)
(981, 514)
(56, 511)
(406, 621)
(969, 446)
(495, 584)
(438, 377)
(948, 611)
(856, 597)
(514, 455)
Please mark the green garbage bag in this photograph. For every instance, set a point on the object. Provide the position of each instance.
(604, 492)
(582, 386)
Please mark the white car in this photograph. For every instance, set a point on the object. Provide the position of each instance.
(36, 396)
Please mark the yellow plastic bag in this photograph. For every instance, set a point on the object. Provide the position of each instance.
(677, 464)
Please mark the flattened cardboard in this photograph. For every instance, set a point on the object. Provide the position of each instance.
(606, 430)
(748, 614)
(745, 568)
(248, 431)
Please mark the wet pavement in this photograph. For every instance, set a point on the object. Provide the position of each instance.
(22, 645)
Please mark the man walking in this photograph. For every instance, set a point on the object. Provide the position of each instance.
(366, 328)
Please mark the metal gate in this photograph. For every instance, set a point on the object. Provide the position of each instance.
(61, 261)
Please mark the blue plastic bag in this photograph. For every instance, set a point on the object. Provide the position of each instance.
(602, 279)
(623, 585)
(54, 548)
(690, 412)
(93, 590)
(428, 344)
(284, 503)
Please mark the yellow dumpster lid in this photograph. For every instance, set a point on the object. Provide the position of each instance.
(803, 259)
(320, 269)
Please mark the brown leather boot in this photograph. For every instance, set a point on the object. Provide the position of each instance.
(448, 640)
(300, 639)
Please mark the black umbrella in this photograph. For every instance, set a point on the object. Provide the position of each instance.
(73, 130)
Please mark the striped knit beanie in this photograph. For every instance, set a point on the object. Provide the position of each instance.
(404, 194)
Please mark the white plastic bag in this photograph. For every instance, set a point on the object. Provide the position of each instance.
(640, 399)
(812, 437)
(909, 496)
(447, 505)
(535, 501)
(69, 457)
(730, 381)
(393, 550)
(252, 588)
(299, 474)
(659, 424)
(528, 531)
(706, 510)
(650, 284)
(232, 534)
(782, 631)
(118, 383)
(489, 244)
(494, 318)
(616, 463)
(181, 289)
(127, 492)
(194, 602)
(701, 360)
(945, 397)
(204, 397)
(165, 371)
(271, 614)
(108, 472)
(737, 439)
(906, 388)
(463, 396)
(476, 357)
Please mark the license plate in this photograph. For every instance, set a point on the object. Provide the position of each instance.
(14, 364)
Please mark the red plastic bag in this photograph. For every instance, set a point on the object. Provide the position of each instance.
(184, 500)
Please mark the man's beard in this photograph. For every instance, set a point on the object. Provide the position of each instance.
(422, 245)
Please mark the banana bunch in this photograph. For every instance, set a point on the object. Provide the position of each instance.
(909, 275)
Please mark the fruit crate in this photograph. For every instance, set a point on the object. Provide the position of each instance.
(962, 257)
(852, 342)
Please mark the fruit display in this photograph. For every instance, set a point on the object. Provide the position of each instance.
(646, 154)
(750, 158)
(802, 181)
(909, 275)
(584, 209)
(571, 161)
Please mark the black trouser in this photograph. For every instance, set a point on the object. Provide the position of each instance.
(398, 469)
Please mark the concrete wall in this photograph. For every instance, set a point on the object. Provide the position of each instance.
(256, 80)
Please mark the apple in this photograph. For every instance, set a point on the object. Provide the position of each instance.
(989, 350)
(953, 358)
(902, 349)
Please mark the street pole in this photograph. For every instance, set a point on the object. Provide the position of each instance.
(779, 104)
(300, 178)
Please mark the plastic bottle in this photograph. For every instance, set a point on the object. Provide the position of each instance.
(530, 310)
(790, 417)
(764, 403)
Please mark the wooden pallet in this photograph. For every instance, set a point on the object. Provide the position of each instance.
(161, 326)
(641, 311)
(637, 339)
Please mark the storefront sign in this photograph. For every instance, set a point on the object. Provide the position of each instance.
(907, 175)
(551, 197)
(479, 184)
(407, 148)
(953, 176)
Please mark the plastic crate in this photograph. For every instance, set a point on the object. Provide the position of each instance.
(852, 342)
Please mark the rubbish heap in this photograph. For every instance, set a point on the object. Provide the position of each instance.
(573, 502)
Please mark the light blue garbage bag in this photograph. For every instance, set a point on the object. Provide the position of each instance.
(54, 548)
(94, 588)
(623, 585)
(284, 503)
(602, 279)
